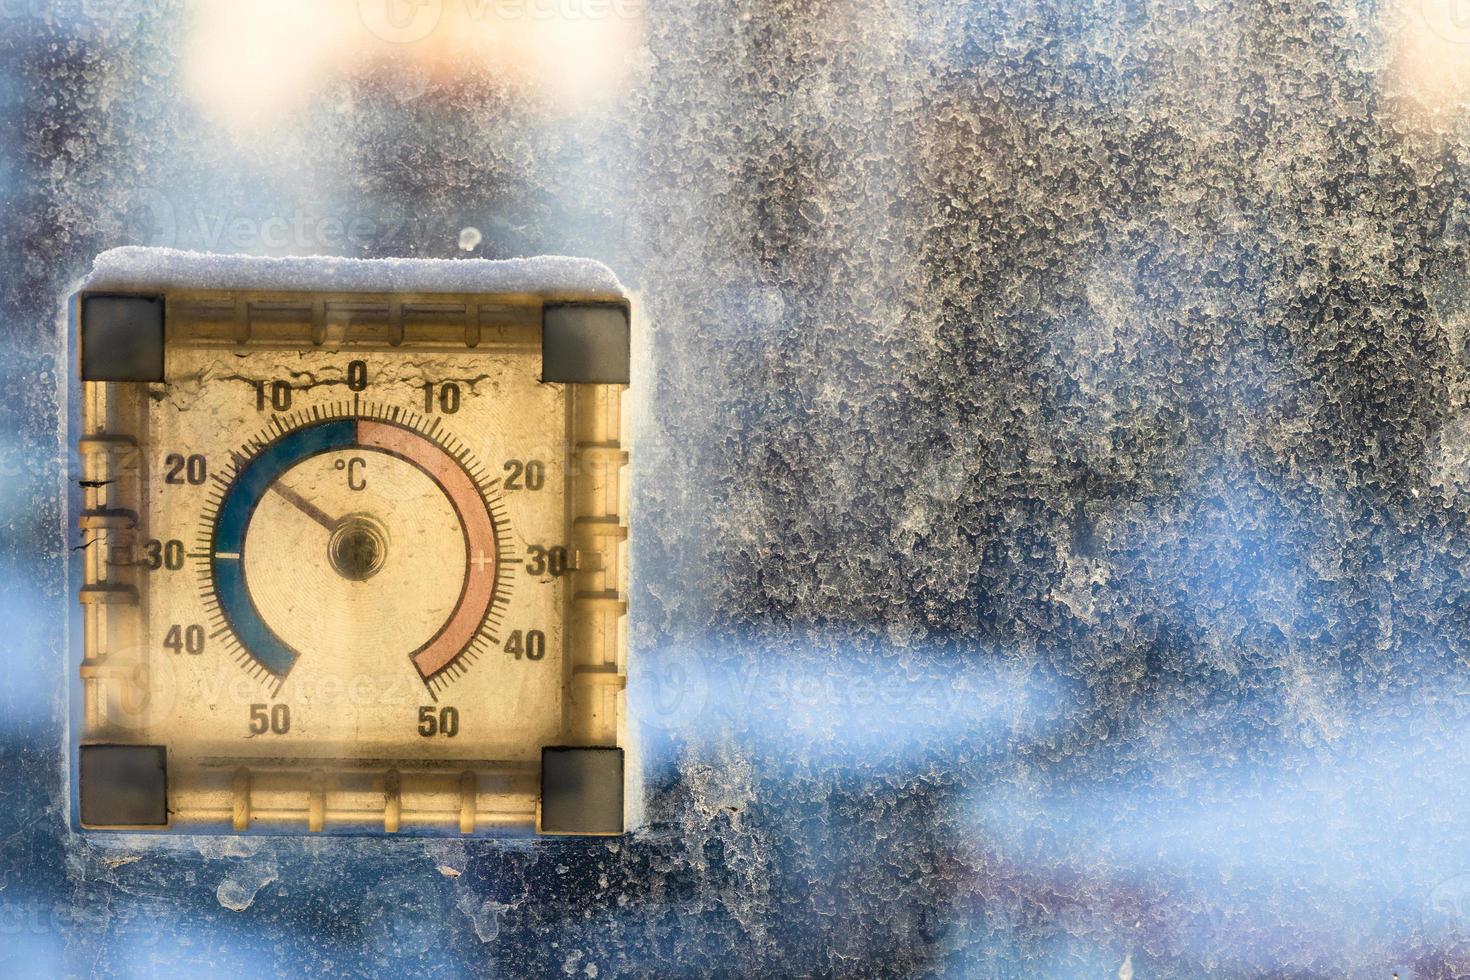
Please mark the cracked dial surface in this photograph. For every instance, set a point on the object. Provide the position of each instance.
(356, 532)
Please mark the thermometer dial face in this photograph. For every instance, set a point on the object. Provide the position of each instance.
(362, 555)
(375, 526)
(351, 562)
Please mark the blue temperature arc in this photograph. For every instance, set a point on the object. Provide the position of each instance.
(235, 510)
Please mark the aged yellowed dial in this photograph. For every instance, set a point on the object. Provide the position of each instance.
(367, 530)
(352, 560)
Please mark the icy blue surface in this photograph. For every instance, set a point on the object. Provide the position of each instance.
(1053, 478)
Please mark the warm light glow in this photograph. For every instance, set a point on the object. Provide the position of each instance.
(1431, 53)
(254, 65)
(249, 64)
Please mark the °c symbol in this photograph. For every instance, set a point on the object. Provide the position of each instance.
(354, 481)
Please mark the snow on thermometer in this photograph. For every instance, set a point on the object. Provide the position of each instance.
(353, 548)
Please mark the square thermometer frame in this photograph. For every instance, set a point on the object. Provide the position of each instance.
(140, 764)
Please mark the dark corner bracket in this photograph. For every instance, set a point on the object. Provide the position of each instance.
(581, 790)
(123, 785)
(585, 343)
(121, 337)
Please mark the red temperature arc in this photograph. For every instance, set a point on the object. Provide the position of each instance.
(479, 586)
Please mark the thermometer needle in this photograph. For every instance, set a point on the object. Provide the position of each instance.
(305, 506)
